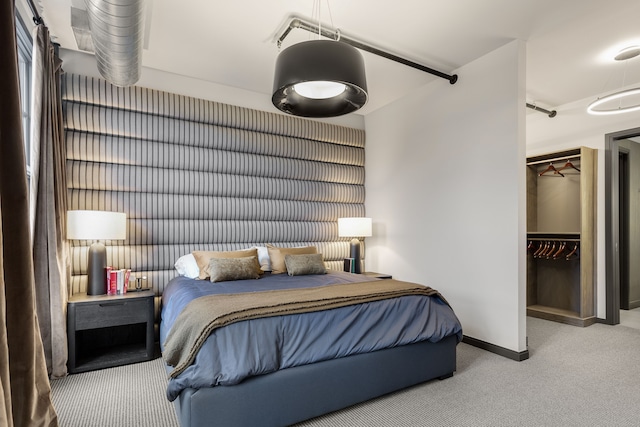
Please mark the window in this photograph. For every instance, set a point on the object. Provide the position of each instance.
(24, 69)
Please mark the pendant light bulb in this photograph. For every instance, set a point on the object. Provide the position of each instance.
(320, 89)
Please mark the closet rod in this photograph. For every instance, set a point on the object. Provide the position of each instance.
(555, 159)
(542, 239)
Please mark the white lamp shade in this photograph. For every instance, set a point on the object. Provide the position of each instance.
(354, 227)
(96, 225)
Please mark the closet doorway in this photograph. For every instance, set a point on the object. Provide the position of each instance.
(622, 183)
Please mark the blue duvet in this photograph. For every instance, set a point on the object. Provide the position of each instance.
(254, 347)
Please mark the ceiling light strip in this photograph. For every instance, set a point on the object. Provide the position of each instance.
(297, 22)
(592, 108)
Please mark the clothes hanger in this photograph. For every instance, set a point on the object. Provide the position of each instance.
(550, 251)
(561, 249)
(551, 168)
(567, 166)
(573, 251)
(537, 251)
(543, 247)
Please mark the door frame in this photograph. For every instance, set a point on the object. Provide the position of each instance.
(612, 221)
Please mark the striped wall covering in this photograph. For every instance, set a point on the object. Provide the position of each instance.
(192, 174)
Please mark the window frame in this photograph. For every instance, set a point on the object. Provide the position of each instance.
(25, 62)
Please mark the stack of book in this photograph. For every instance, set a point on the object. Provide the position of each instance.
(117, 281)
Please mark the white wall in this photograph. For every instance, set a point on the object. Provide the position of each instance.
(446, 190)
(85, 64)
(572, 128)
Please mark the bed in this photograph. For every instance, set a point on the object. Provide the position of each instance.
(282, 369)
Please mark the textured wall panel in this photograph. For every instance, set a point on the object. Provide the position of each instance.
(119, 177)
(182, 206)
(197, 175)
(133, 152)
(88, 90)
(149, 258)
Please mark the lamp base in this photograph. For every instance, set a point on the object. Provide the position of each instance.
(97, 281)
(355, 254)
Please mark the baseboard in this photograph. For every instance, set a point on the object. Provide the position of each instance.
(501, 351)
(634, 304)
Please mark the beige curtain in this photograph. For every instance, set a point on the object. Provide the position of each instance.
(49, 202)
(24, 385)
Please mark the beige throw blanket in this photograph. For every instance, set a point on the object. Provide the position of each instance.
(202, 315)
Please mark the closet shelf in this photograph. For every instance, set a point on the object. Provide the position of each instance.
(553, 236)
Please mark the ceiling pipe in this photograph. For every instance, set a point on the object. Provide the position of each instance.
(117, 34)
(551, 113)
(297, 22)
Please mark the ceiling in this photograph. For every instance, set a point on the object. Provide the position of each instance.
(570, 43)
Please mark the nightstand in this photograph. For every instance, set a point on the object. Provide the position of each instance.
(105, 331)
(377, 275)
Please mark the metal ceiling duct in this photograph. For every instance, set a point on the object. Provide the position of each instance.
(117, 31)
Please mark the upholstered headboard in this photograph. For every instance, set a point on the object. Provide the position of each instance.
(194, 174)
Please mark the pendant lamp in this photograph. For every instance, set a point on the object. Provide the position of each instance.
(319, 78)
(624, 101)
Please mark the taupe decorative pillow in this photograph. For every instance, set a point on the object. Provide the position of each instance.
(299, 265)
(276, 255)
(224, 269)
(203, 257)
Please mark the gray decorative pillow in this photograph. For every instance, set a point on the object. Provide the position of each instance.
(224, 269)
(298, 265)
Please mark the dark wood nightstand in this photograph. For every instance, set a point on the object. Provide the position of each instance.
(377, 275)
(105, 331)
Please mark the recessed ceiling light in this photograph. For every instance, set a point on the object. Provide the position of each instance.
(627, 53)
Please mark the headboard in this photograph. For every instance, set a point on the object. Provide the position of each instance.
(193, 174)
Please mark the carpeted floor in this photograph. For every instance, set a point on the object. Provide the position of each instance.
(574, 377)
(630, 318)
(125, 396)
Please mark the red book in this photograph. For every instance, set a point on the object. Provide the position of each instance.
(113, 286)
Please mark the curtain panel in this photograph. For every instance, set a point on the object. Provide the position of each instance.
(49, 202)
(24, 384)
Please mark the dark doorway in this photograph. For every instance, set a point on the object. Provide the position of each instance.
(623, 215)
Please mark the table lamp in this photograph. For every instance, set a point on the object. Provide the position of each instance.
(96, 225)
(355, 227)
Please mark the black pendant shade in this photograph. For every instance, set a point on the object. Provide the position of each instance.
(323, 61)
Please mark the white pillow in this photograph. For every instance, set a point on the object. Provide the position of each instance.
(187, 266)
(263, 258)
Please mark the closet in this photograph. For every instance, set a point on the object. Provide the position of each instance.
(561, 224)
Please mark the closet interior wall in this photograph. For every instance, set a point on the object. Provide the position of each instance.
(561, 234)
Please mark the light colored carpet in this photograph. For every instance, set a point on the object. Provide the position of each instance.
(574, 377)
(630, 318)
(125, 396)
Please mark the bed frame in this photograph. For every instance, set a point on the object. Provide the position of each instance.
(295, 394)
